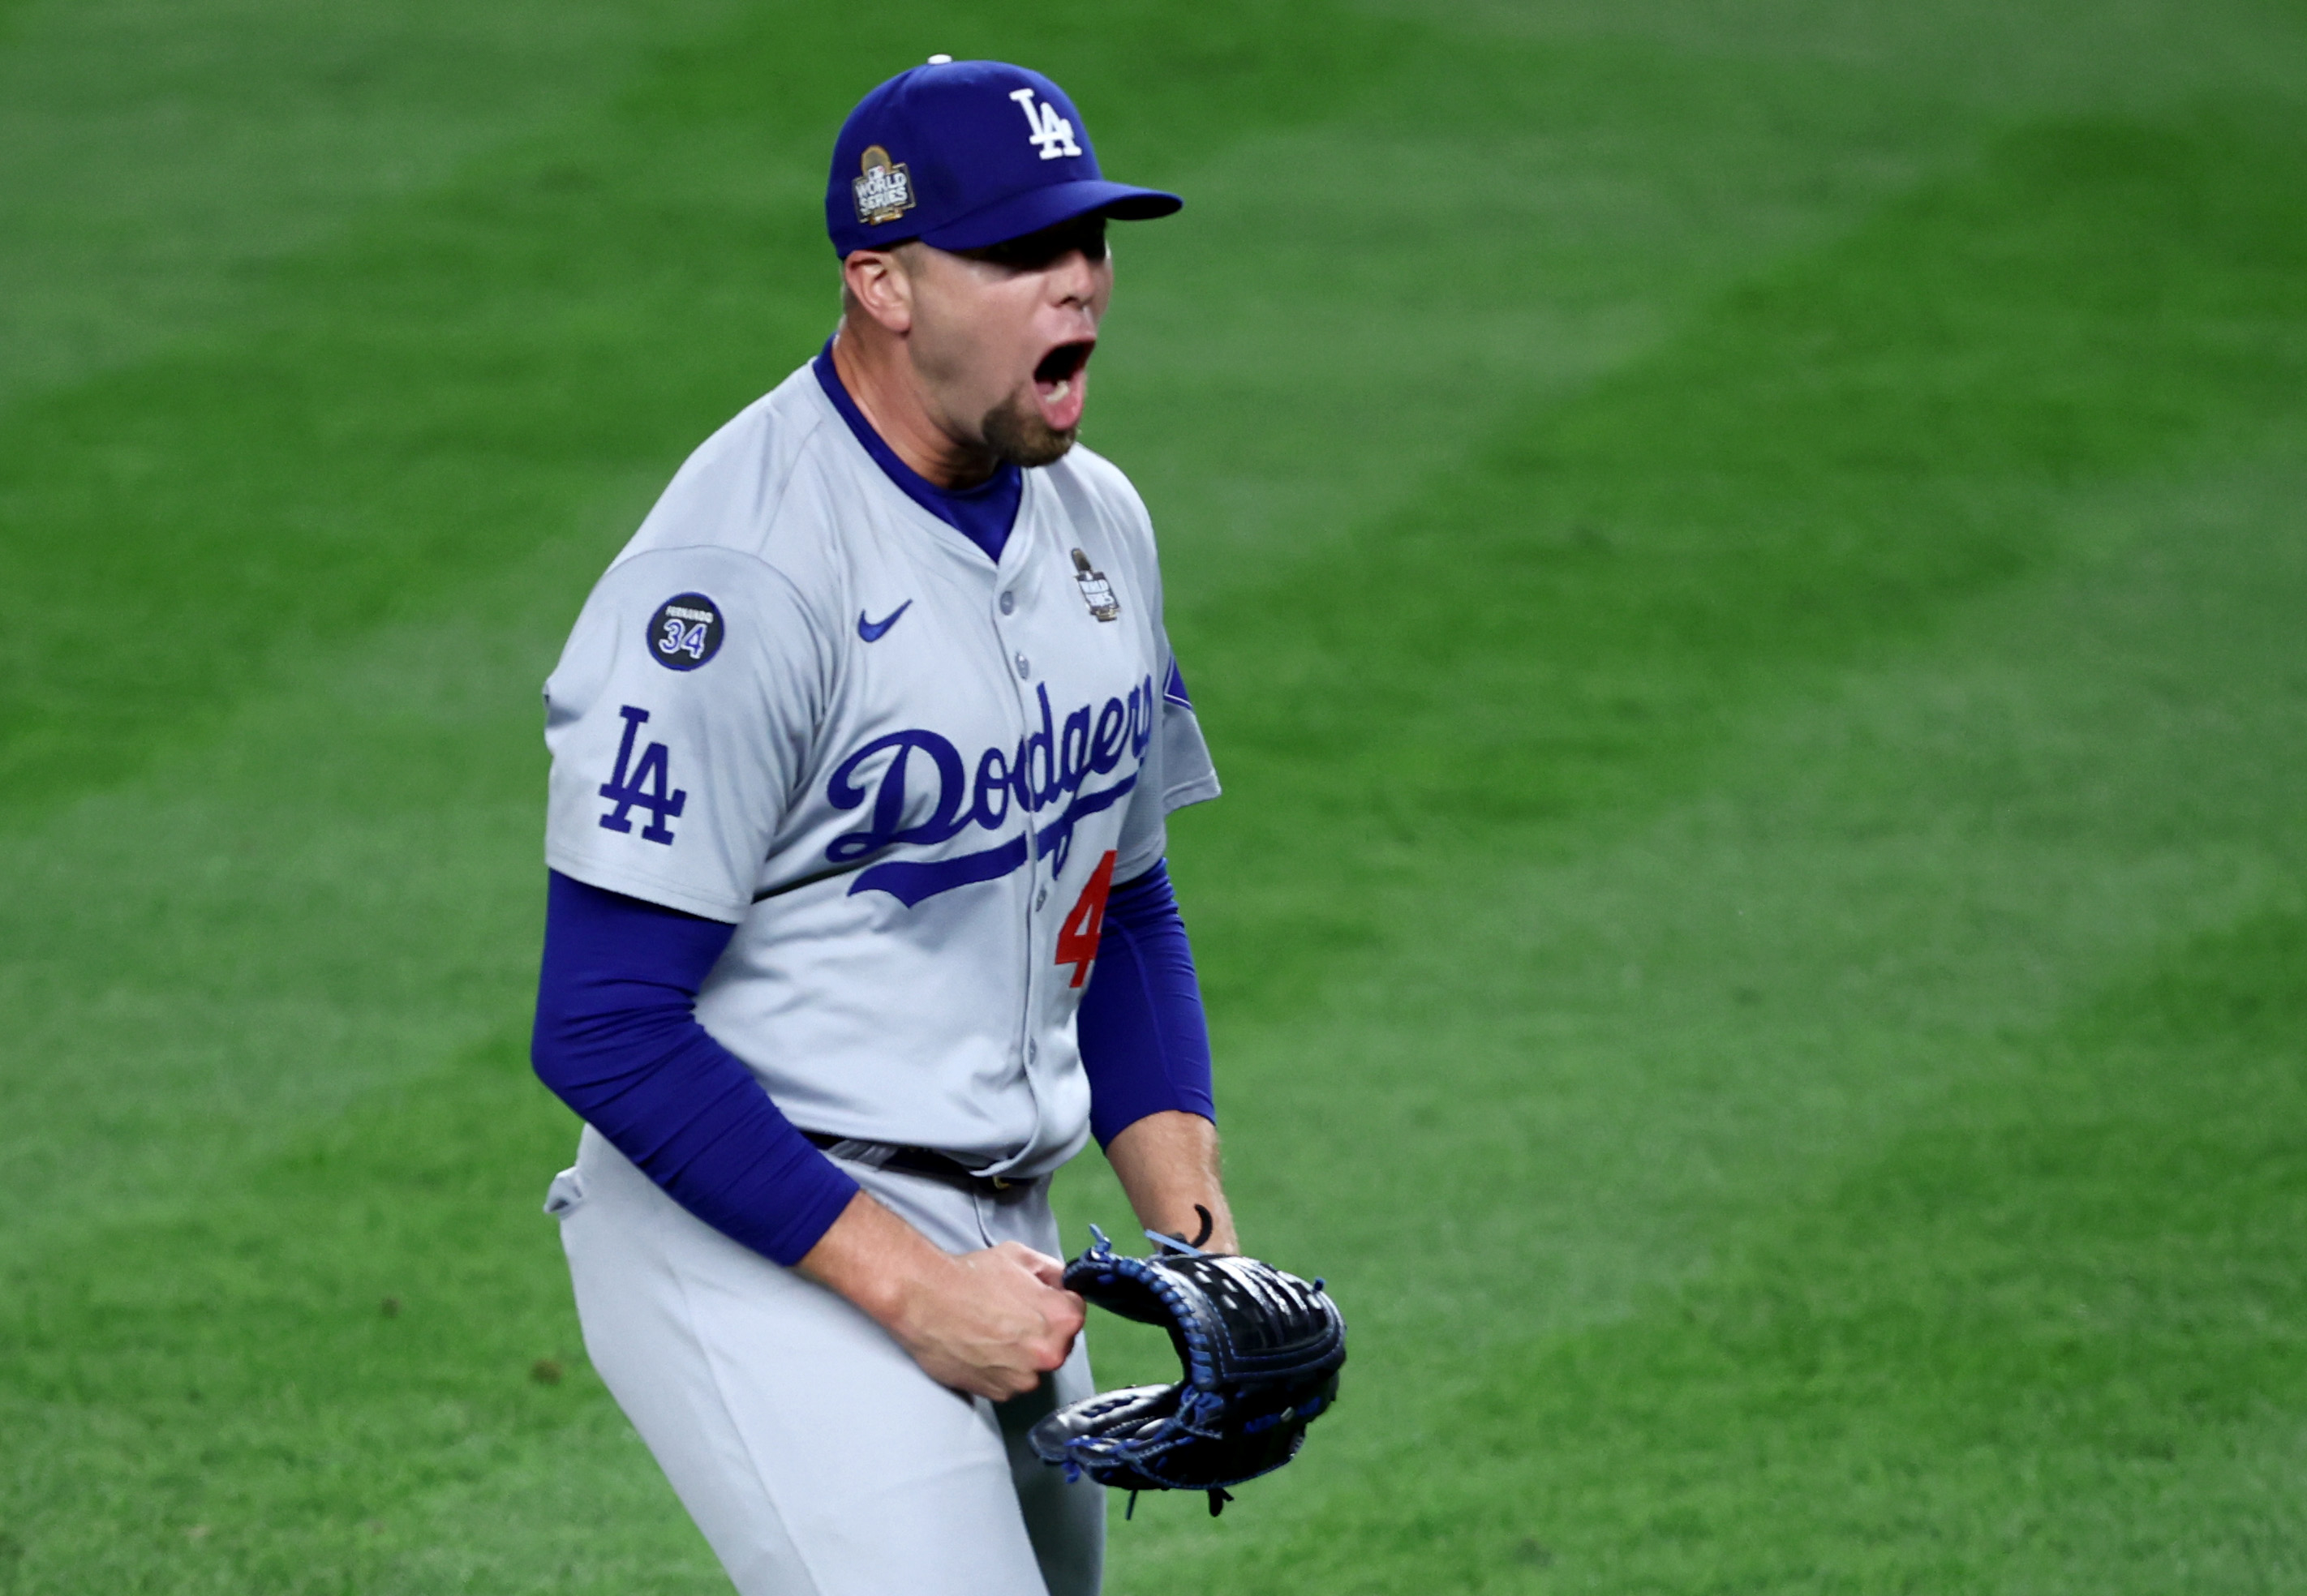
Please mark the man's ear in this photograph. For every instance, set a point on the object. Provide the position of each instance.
(879, 284)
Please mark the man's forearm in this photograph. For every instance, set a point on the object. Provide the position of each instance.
(1168, 1163)
(877, 1260)
(990, 1323)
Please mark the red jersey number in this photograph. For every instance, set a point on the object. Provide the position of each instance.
(1077, 938)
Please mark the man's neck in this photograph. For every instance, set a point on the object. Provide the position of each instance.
(885, 393)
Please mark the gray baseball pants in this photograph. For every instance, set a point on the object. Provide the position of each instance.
(816, 1456)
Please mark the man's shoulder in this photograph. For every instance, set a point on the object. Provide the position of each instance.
(754, 486)
(1088, 483)
(1098, 477)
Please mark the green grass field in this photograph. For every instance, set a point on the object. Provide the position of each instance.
(1745, 566)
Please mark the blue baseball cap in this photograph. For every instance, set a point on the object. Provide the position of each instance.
(965, 154)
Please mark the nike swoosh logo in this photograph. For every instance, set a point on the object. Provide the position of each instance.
(871, 630)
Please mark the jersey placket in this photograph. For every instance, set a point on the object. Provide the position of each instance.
(1016, 602)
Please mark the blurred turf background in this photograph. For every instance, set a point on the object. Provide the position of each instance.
(1746, 568)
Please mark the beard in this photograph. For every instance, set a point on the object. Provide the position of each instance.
(1015, 432)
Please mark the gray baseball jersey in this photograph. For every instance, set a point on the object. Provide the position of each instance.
(799, 703)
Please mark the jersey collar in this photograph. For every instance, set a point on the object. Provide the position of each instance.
(984, 514)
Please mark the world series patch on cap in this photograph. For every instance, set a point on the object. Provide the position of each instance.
(885, 190)
(965, 154)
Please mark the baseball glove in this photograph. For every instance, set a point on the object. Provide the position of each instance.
(1261, 1351)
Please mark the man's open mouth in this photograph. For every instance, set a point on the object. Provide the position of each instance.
(1059, 382)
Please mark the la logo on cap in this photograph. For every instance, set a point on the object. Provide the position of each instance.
(885, 190)
(1048, 131)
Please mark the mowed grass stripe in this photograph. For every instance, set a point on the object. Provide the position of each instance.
(2049, 1337)
(158, 160)
(1556, 630)
(323, 1375)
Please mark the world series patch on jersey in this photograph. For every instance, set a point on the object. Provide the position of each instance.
(800, 704)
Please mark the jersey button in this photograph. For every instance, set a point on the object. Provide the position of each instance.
(1009, 603)
(1025, 666)
(1041, 896)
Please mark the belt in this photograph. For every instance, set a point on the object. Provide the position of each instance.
(924, 1161)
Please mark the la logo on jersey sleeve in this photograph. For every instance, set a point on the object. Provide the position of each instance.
(646, 783)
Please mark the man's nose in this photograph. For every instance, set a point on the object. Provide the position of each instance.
(1074, 279)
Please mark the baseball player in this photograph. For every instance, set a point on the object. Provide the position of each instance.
(858, 924)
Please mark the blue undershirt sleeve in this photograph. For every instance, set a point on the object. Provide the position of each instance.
(1145, 1040)
(617, 1039)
